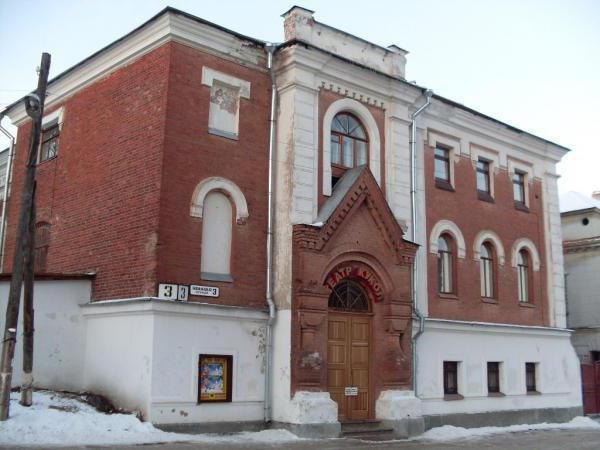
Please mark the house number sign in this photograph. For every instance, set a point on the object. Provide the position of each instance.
(351, 391)
(181, 291)
(173, 292)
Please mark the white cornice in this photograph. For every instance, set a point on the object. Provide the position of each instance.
(165, 28)
(504, 328)
(521, 143)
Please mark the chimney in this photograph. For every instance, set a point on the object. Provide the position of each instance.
(298, 23)
(596, 195)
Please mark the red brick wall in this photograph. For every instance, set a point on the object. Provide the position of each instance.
(133, 147)
(101, 194)
(191, 155)
(472, 215)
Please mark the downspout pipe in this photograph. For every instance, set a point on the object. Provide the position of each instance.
(414, 226)
(270, 208)
(7, 182)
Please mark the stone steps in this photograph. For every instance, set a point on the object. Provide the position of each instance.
(368, 430)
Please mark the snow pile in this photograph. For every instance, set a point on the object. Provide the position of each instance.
(55, 419)
(449, 432)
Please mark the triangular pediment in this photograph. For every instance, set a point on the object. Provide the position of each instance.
(356, 189)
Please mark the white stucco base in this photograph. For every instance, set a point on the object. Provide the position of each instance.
(397, 405)
(474, 344)
(144, 355)
(59, 330)
(312, 408)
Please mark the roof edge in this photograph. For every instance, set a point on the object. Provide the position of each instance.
(423, 89)
(167, 10)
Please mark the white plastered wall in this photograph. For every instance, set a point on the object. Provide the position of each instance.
(583, 287)
(144, 355)
(473, 345)
(59, 333)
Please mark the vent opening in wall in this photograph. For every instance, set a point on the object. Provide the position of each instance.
(585, 221)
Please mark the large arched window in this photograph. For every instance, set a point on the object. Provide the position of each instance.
(523, 274)
(349, 295)
(349, 144)
(445, 265)
(486, 265)
(217, 220)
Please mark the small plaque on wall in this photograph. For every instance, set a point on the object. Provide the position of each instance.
(215, 374)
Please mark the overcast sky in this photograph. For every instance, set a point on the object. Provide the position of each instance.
(532, 63)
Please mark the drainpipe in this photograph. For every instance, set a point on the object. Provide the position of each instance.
(269, 291)
(7, 182)
(413, 207)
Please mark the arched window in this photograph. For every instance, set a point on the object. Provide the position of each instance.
(523, 274)
(216, 237)
(445, 265)
(349, 295)
(486, 264)
(349, 144)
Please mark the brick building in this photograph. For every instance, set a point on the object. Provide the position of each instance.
(293, 233)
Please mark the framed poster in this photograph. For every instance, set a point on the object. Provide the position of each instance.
(214, 378)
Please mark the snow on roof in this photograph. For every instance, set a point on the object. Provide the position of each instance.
(575, 201)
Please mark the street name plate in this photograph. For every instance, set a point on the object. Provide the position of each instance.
(351, 391)
(204, 291)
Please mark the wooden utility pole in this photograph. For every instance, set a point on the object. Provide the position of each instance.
(27, 382)
(34, 105)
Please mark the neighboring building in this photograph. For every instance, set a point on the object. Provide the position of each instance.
(153, 182)
(580, 217)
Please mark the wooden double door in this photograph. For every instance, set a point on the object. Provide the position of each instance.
(349, 364)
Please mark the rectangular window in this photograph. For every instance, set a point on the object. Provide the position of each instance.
(530, 377)
(493, 376)
(450, 377)
(49, 147)
(483, 177)
(519, 187)
(442, 164)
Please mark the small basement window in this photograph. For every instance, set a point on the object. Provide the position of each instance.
(493, 376)
(450, 378)
(530, 377)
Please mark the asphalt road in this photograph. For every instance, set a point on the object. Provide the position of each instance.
(528, 440)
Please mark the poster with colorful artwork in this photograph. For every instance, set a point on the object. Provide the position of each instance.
(214, 378)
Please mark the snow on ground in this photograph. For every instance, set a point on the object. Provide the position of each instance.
(449, 432)
(56, 419)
